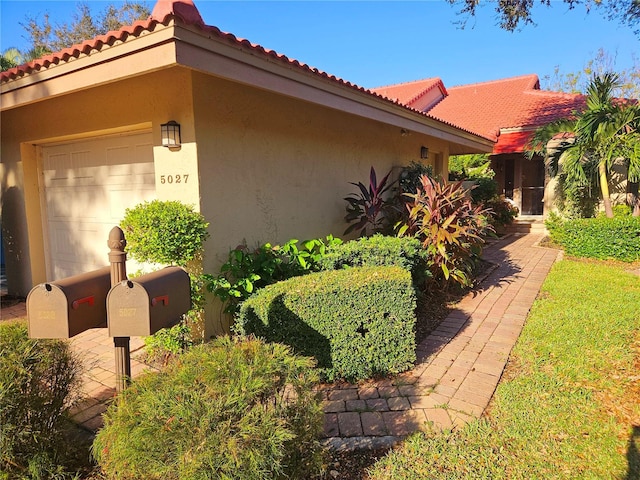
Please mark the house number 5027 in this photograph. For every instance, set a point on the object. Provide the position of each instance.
(174, 178)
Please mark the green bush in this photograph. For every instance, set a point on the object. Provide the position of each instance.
(409, 179)
(463, 167)
(500, 211)
(166, 232)
(615, 238)
(619, 210)
(378, 251)
(555, 226)
(169, 233)
(247, 270)
(229, 409)
(356, 322)
(485, 190)
(168, 342)
(38, 382)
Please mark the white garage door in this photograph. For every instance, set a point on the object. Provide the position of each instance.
(88, 185)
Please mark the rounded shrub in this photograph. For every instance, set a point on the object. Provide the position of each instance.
(380, 251)
(170, 233)
(232, 409)
(166, 232)
(356, 323)
(38, 382)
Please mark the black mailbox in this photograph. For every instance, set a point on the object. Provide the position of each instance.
(142, 306)
(67, 307)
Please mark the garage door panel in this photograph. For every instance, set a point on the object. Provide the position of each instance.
(69, 241)
(135, 180)
(132, 153)
(88, 187)
(81, 205)
(77, 250)
(85, 158)
(120, 200)
(144, 152)
(132, 170)
(139, 174)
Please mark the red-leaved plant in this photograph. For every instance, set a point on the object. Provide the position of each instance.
(367, 206)
(450, 228)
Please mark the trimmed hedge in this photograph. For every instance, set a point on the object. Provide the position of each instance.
(602, 238)
(229, 409)
(357, 322)
(378, 251)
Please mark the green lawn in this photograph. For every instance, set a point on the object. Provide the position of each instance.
(569, 400)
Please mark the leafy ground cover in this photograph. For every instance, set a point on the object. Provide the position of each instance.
(569, 403)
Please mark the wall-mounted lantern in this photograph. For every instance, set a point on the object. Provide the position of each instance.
(170, 134)
(424, 152)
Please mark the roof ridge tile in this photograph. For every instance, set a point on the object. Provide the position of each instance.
(412, 82)
(531, 76)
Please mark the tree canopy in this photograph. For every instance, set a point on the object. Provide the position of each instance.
(82, 26)
(628, 85)
(45, 37)
(513, 14)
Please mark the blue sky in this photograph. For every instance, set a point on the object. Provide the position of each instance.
(385, 42)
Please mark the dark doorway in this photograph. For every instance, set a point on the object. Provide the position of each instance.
(508, 178)
(532, 187)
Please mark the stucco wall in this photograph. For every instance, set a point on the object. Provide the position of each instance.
(136, 103)
(277, 168)
(261, 167)
(273, 168)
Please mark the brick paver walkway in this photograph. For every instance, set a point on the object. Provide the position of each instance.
(459, 365)
(458, 368)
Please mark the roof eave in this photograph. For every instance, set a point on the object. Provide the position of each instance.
(278, 74)
(206, 49)
(94, 68)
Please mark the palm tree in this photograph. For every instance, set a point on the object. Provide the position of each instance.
(11, 57)
(607, 130)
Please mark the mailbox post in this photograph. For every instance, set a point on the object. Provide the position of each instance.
(122, 348)
(105, 297)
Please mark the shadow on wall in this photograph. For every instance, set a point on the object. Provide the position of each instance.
(14, 237)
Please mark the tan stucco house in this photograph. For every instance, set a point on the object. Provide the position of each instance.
(268, 144)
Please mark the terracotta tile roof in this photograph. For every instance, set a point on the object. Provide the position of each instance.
(488, 108)
(511, 103)
(184, 9)
(186, 12)
(409, 93)
(75, 51)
